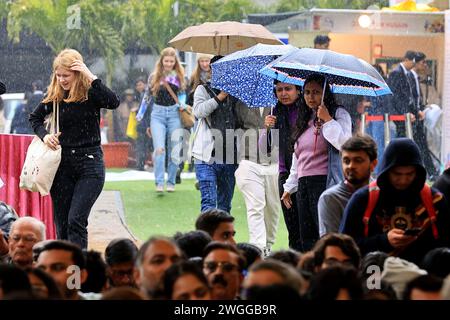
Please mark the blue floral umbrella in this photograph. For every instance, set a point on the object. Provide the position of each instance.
(238, 74)
(345, 73)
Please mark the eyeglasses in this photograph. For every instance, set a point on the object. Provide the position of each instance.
(212, 266)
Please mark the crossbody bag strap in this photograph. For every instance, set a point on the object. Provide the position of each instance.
(174, 96)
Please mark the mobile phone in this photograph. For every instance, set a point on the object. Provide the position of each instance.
(412, 232)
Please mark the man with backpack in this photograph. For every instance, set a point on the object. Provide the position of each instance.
(398, 213)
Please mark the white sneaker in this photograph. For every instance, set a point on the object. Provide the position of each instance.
(159, 189)
(170, 188)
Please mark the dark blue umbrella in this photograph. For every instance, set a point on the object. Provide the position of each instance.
(345, 73)
(238, 74)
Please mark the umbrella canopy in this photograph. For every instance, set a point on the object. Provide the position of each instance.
(345, 73)
(222, 38)
(238, 74)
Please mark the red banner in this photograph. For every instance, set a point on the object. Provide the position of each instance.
(13, 148)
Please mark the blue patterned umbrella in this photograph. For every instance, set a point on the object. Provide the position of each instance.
(238, 74)
(345, 73)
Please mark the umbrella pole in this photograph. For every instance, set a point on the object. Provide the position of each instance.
(319, 121)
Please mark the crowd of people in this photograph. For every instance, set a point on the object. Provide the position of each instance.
(362, 224)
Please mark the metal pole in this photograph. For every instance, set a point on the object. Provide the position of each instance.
(409, 132)
(387, 130)
(363, 123)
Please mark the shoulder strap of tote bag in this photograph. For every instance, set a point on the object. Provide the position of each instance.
(55, 118)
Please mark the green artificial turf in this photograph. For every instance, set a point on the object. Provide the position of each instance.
(148, 213)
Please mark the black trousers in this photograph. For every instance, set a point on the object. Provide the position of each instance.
(291, 217)
(421, 140)
(308, 193)
(77, 185)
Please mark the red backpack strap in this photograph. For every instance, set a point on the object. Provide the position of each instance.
(374, 193)
(427, 200)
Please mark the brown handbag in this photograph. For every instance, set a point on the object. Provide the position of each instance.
(186, 114)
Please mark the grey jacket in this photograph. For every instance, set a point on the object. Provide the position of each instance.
(251, 122)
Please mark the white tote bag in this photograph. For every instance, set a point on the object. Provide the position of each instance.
(41, 162)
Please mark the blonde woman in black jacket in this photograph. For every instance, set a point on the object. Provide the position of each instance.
(81, 174)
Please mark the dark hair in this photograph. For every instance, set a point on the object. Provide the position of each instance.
(427, 283)
(215, 58)
(192, 243)
(437, 262)
(289, 256)
(38, 85)
(327, 283)
(321, 39)
(13, 279)
(209, 220)
(120, 251)
(420, 56)
(410, 55)
(250, 252)
(77, 253)
(123, 293)
(305, 112)
(288, 274)
(96, 269)
(374, 258)
(379, 70)
(343, 241)
(177, 270)
(53, 291)
(361, 143)
(216, 245)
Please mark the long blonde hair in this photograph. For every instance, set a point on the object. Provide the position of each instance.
(79, 90)
(158, 72)
(195, 77)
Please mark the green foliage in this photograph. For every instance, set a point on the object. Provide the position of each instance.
(49, 20)
(152, 23)
(4, 9)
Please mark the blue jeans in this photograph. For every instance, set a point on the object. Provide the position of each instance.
(216, 185)
(164, 121)
(77, 185)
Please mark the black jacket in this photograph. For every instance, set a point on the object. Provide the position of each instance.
(402, 100)
(281, 112)
(79, 122)
(387, 213)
